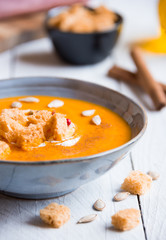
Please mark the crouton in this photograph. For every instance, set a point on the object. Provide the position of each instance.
(41, 116)
(9, 128)
(137, 183)
(57, 128)
(17, 115)
(16, 127)
(31, 136)
(55, 214)
(30, 128)
(126, 219)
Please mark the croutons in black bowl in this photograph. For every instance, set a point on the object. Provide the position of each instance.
(83, 48)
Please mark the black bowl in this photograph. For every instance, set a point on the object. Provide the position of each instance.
(83, 48)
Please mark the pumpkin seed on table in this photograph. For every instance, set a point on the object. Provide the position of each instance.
(16, 105)
(55, 104)
(99, 205)
(29, 100)
(88, 113)
(88, 218)
(121, 196)
(153, 175)
(96, 120)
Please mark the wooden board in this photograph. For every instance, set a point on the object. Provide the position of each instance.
(21, 29)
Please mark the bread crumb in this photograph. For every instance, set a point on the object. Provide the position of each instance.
(55, 214)
(126, 219)
(137, 183)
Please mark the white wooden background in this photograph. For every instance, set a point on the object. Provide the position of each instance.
(19, 219)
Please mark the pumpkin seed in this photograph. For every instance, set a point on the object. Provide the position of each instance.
(42, 145)
(99, 205)
(96, 120)
(88, 218)
(121, 196)
(88, 113)
(16, 105)
(29, 100)
(70, 142)
(153, 175)
(56, 104)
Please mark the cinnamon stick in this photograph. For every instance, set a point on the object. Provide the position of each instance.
(129, 77)
(123, 75)
(146, 80)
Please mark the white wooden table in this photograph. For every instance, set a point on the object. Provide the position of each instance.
(19, 219)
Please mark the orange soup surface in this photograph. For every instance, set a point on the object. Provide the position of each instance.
(87, 139)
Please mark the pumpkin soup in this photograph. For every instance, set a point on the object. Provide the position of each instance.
(51, 128)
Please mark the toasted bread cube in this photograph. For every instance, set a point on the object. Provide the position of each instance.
(4, 150)
(31, 136)
(15, 114)
(126, 219)
(57, 129)
(30, 128)
(55, 214)
(137, 183)
(9, 128)
(16, 127)
(41, 116)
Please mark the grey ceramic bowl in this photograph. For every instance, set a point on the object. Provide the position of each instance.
(40, 180)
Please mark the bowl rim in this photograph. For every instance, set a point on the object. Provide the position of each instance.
(115, 26)
(85, 158)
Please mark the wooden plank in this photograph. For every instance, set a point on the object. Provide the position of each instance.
(123, 59)
(21, 29)
(149, 154)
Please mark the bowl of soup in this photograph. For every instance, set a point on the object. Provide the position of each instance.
(57, 134)
(82, 35)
